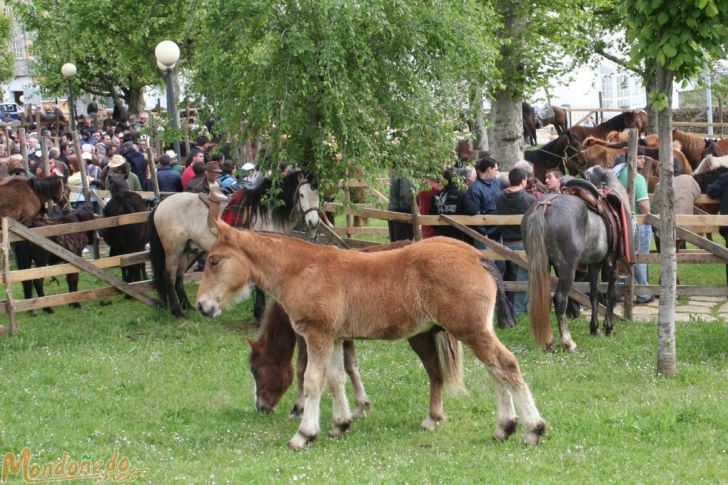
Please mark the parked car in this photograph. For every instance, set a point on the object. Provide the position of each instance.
(10, 110)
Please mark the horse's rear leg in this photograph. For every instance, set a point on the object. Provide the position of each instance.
(351, 366)
(510, 387)
(424, 346)
(594, 298)
(319, 351)
(566, 280)
(608, 272)
(336, 381)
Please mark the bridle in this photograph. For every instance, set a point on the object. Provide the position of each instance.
(298, 207)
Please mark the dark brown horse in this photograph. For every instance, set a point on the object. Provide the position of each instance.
(27, 253)
(559, 153)
(129, 238)
(333, 295)
(23, 198)
(619, 123)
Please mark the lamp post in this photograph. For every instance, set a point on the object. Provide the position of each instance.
(69, 71)
(167, 54)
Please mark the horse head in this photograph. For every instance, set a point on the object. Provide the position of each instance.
(307, 200)
(227, 276)
(630, 119)
(273, 375)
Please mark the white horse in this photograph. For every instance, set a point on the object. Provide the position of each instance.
(182, 228)
(710, 163)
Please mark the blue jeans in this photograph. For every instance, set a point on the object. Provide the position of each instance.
(644, 236)
(516, 273)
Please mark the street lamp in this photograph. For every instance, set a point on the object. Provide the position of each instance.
(167, 54)
(69, 71)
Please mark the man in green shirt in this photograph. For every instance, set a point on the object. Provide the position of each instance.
(644, 231)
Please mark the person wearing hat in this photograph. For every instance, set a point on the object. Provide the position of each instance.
(92, 169)
(252, 173)
(118, 164)
(174, 162)
(169, 179)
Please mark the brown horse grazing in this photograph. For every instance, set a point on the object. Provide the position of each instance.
(272, 352)
(332, 295)
(23, 198)
(619, 123)
(691, 145)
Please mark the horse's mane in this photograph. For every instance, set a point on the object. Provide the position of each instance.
(125, 203)
(617, 123)
(692, 145)
(257, 199)
(707, 178)
(47, 187)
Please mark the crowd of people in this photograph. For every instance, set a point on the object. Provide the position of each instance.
(123, 148)
(481, 189)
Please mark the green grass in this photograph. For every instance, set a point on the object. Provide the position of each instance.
(176, 397)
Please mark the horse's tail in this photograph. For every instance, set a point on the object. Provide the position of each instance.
(506, 316)
(450, 356)
(159, 262)
(539, 286)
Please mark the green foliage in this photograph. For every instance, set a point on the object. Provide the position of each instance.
(378, 82)
(682, 36)
(110, 42)
(7, 59)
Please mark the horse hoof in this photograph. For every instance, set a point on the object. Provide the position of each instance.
(49, 311)
(431, 424)
(550, 348)
(595, 333)
(75, 306)
(299, 441)
(570, 346)
(504, 430)
(339, 429)
(533, 436)
(362, 409)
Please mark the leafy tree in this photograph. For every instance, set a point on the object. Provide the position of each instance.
(7, 59)
(111, 42)
(375, 84)
(675, 40)
(540, 42)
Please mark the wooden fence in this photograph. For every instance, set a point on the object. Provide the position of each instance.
(688, 227)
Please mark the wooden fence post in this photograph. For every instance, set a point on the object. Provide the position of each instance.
(23, 147)
(416, 227)
(632, 167)
(153, 171)
(5, 249)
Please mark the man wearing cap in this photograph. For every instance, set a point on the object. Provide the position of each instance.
(174, 162)
(169, 179)
(252, 174)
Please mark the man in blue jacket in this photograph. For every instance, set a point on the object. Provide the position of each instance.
(483, 192)
(169, 179)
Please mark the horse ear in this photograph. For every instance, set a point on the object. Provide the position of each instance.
(301, 178)
(223, 228)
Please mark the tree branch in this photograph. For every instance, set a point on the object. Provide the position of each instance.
(618, 60)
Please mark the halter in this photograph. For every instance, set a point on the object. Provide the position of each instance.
(303, 181)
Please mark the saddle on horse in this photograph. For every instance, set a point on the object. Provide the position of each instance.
(613, 211)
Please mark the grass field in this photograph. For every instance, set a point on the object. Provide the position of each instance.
(175, 397)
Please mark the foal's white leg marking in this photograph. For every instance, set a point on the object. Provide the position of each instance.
(532, 421)
(505, 414)
(336, 380)
(312, 384)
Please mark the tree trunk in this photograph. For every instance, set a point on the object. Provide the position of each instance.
(135, 100)
(507, 132)
(666, 353)
(652, 114)
(476, 106)
(120, 104)
(506, 136)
